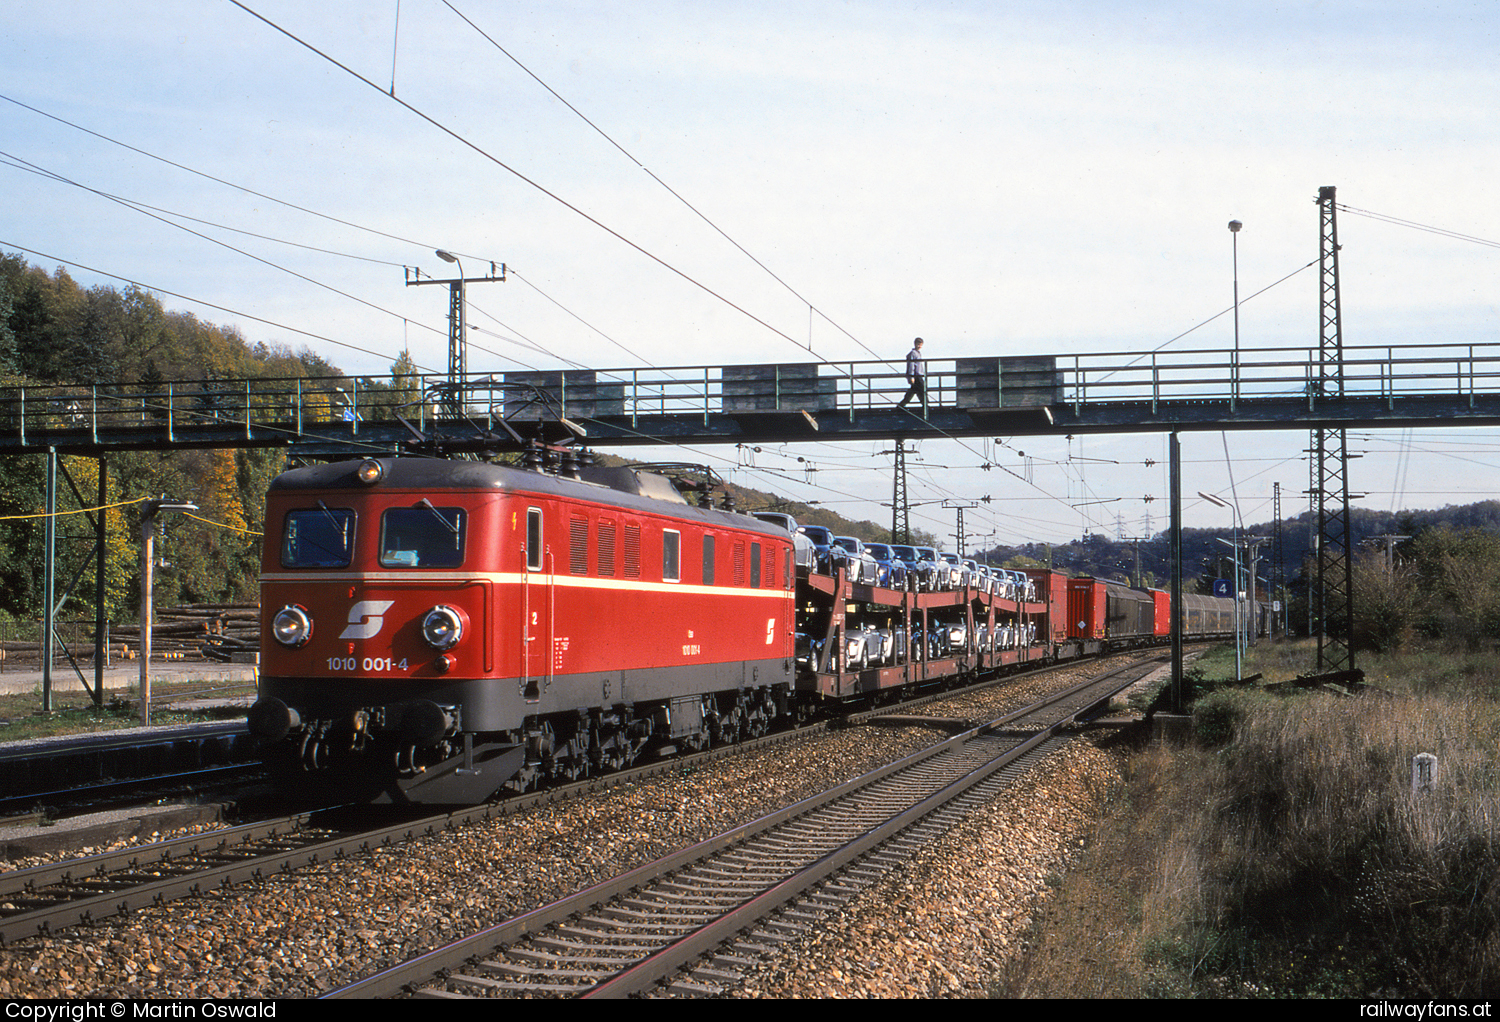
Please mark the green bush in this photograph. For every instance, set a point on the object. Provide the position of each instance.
(1216, 717)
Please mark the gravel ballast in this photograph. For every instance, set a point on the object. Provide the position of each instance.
(954, 918)
(322, 927)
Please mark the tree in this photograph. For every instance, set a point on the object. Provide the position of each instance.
(142, 337)
(1459, 577)
(45, 316)
(1385, 601)
(21, 542)
(87, 356)
(7, 335)
(406, 385)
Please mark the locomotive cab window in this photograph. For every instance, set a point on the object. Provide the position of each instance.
(671, 556)
(534, 539)
(320, 537)
(423, 536)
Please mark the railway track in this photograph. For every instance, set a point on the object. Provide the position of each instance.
(82, 772)
(772, 878)
(44, 899)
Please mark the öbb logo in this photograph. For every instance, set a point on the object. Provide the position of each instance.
(365, 619)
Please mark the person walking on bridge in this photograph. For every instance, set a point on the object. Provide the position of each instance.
(916, 376)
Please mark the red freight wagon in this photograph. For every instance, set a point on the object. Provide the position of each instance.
(1052, 592)
(1086, 609)
(1162, 613)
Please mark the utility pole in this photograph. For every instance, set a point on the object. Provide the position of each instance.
(1135, 541)
(1390, 549)
(458, 348)
(959, 506)
(1174, 486)
(1252, 558)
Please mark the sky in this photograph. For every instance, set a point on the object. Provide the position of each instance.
(687, 184)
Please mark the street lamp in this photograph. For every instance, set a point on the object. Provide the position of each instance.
(1234, 233)
(148, 537)
(1235, 520)
(458, 348)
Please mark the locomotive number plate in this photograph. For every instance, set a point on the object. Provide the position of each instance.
(369, 665)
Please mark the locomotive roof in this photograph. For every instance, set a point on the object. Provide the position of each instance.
(635, 490)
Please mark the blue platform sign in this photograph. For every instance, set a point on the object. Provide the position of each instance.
(1221, 587)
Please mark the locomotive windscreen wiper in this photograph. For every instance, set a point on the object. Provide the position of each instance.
(424, 502)
(340, 526)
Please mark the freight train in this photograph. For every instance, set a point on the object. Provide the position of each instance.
(441, 630)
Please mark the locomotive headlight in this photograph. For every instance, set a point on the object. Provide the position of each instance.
(369, 472)
(291, 626)
(442, 627)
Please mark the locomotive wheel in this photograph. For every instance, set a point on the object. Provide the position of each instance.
(755, 725)
(528, 778)
(612, 758)
(557, 764)
(699, 741)
(607, 753)
(570, 761)
(570, 767)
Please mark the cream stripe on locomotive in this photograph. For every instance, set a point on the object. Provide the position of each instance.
(517, 578)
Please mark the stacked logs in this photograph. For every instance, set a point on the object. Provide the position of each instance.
(216, 631)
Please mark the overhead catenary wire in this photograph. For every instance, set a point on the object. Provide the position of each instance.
(238, 251)
(1412, 224)
(32, 168)
(315, 336)
(356, 347)
(210, 177)
(481, 151)
(146, 211)
(312, 212)
(672, 191)
(196, 301)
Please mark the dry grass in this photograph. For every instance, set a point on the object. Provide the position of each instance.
(1293, 859)
(22, 717)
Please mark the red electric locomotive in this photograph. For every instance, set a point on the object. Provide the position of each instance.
(435, 630)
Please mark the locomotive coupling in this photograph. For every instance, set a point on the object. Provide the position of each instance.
(426, 723)
(272, 719)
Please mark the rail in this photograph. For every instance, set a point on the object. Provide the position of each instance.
(623, 936)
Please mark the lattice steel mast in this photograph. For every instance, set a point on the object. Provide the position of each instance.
(1330, 483)
(900, 511)
(1278, 560)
